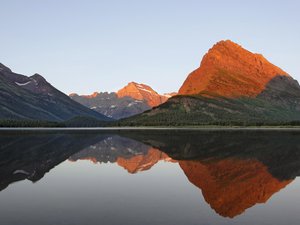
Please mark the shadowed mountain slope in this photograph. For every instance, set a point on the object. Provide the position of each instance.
(26, 98)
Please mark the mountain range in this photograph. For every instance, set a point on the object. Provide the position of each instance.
(132, 99)
(231, 86)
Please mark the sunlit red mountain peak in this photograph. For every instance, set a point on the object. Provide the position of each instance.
(142, 92)
(229, 70)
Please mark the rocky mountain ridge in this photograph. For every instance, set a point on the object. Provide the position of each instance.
(131, 100)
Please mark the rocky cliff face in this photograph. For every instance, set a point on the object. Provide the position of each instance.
(282, 91)
(231, 71)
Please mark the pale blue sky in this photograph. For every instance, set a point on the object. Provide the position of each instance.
(93, 45)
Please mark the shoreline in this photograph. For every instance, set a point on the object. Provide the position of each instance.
(296, 128)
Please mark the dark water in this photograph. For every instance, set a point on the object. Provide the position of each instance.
(149, 177)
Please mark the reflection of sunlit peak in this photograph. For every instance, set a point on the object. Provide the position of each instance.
(231, 186)
(140, 163)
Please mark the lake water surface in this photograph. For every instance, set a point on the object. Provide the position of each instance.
(136, 177)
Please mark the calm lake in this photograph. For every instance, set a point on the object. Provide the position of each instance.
(164, 177)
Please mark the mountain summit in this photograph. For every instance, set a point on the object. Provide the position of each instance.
(142, 92)
(231, 71)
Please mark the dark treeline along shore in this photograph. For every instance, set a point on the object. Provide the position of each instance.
(80, 122)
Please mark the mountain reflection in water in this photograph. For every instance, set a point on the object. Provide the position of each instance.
(234, 169)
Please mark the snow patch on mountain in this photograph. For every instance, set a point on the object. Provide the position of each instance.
(22, 84)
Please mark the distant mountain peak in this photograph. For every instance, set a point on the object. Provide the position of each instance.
(132, 99)
(142, 92)
(229, 70)
(133, 86)
(94, 95)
